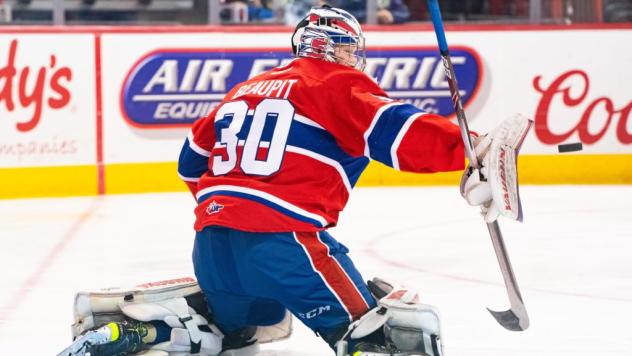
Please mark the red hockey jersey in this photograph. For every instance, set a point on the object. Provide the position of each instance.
(284, 149)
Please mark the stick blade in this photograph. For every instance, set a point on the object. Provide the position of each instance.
(510, 321)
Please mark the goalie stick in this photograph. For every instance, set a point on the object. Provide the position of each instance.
(516, 318)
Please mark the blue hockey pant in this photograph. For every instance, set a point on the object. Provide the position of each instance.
(252, 278)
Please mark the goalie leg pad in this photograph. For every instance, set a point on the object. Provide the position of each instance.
(178, 302)
(94, 308)
(409, 326)
(414, 330)
(166, 301)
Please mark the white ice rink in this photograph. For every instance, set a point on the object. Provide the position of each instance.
(572, 257)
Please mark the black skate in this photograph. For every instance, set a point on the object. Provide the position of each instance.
(113, 339)
(240, 342)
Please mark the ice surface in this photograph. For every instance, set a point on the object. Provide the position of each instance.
(572, 257)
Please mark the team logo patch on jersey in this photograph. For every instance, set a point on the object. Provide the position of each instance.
(175, 87)
(214, 208)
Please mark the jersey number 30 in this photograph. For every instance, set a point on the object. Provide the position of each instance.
(235, 113)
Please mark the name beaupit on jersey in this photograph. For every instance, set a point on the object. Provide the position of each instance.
(284, 149)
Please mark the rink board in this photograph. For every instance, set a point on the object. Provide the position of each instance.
(92, 110)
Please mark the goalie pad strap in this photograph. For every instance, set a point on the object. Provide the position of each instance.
(194, 333)
(175, 312)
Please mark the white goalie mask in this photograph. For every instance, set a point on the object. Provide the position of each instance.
(330, 34)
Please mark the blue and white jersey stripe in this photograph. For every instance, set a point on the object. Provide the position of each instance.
(374, 121)
(325, 160)
(199, 150)
(387, 130)
(264, 198)
(308, 138)
(193, 161)
(399, 137)
(307, 121)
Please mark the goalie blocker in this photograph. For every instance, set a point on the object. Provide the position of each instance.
(179, 303)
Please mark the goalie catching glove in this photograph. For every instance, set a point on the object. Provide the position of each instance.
(494, 185)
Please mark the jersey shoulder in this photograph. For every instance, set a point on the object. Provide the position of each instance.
(329, 73)
(353, 79)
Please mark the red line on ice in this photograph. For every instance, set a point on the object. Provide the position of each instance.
(372, 252)
(8, 310)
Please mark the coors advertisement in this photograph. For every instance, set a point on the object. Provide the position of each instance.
(597, 113)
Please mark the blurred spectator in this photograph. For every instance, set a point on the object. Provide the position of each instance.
(417, 9)
(234, 11)
(476, 10)
(115, 12)
(295, 10)
(5, 12)
(465, 7)
(509, 7)
(388, 11)
(617, 10)
(261, 11)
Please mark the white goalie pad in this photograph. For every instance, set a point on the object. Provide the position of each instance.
(178, 302)
(413, 326)
(172, 301)
(94, 308)
(409, 325)
(498, 155)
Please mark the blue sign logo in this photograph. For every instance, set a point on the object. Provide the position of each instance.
(417, 76)
(176, 87)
